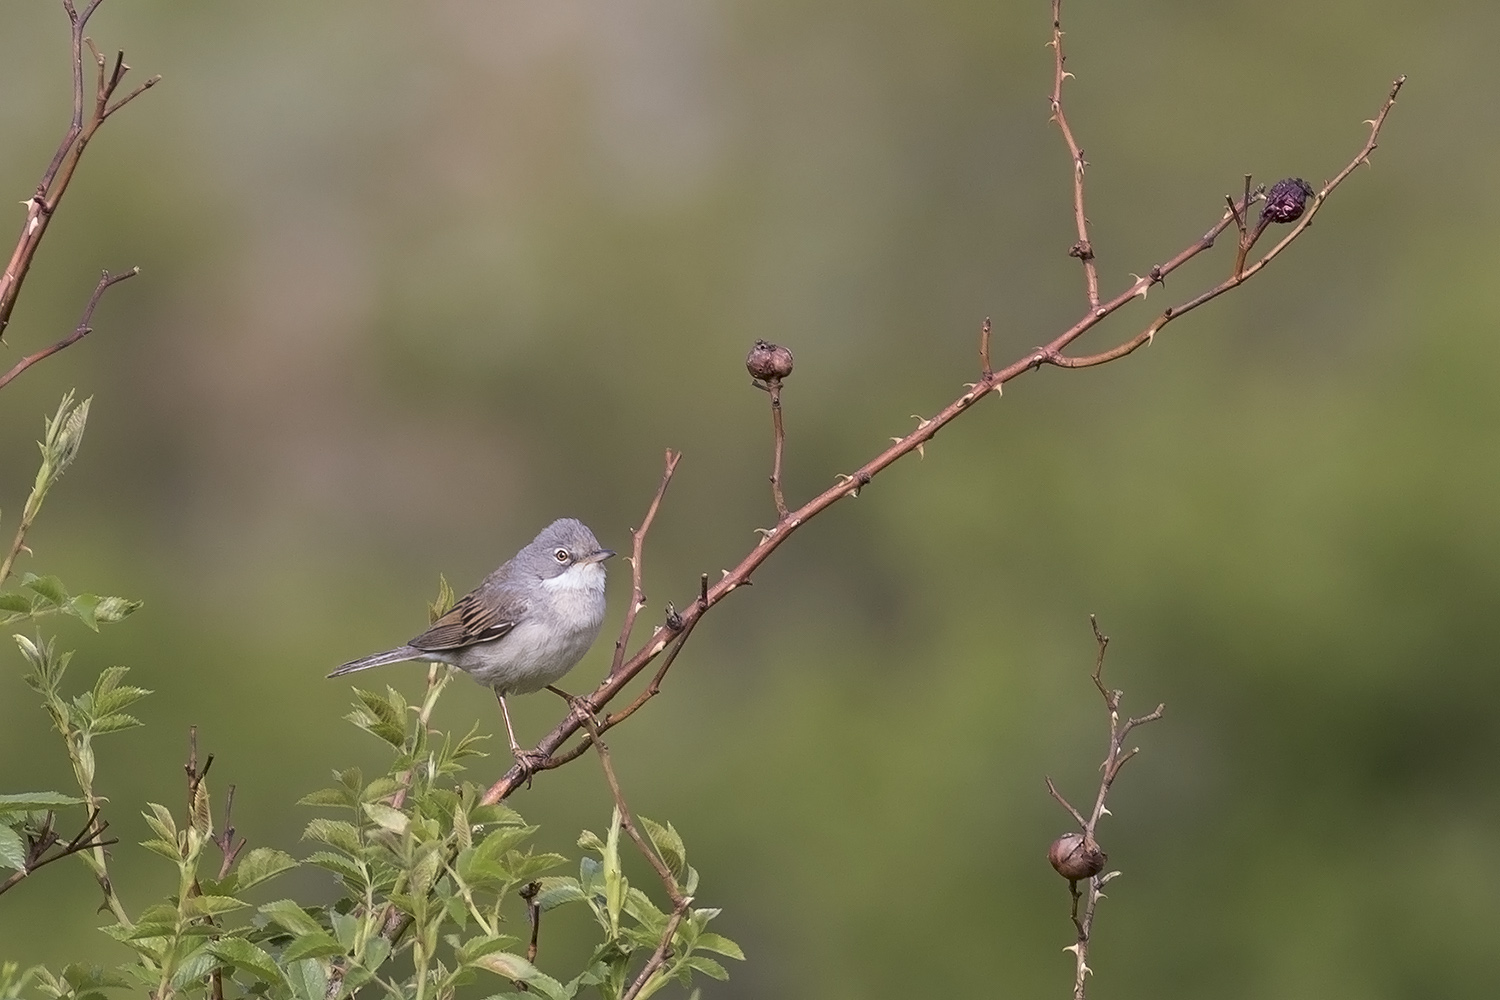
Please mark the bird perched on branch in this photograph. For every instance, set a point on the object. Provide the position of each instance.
(525, 626)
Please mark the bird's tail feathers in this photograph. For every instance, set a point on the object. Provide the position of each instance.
(397, 655)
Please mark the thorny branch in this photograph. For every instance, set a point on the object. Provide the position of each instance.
(1083, 249)
(1075, 848)
(44, 201)
(990, 381)
(638, 541)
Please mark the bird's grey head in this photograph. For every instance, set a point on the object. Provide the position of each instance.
(565, 544)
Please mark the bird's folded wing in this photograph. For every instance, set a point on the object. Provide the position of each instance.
(472, 620)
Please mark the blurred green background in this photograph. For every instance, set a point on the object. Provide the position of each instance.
(417, 278)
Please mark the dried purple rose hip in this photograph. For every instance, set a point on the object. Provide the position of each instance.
(1286, 200)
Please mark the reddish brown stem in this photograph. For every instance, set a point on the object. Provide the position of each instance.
(43, 203)
(79, 332)
(850, 485)
(1083, 249)
(637, 545)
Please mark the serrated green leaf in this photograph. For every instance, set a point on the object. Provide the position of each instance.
(94, 977)
(518, 970)
(261, 864)
(393, 820)
(334, 833)
(339, 865)
(316, 944)
(467, 951)
(525, 867)
(333, 797)
(24, 802)
(113, 723)
(719, 943)
(113, 609)
(378, 789)
(309, 979)
(243, 955)
(196, 965)
(15, 603)
(557, 891)
(668, 844)
(48, 587)
(12, 849)
(82, 608)
(291, 917)
(707, 966)
(212, 906)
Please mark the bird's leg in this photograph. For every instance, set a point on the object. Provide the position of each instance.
(580, 707)
(529, 760)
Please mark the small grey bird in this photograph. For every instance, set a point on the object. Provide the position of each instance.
(526, 625)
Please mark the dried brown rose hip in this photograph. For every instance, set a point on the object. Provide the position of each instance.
(768, 362)
(1076, 858)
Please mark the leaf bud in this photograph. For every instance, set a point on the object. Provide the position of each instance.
(1076, 857)
(768, 362)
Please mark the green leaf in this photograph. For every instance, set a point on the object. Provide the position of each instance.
(557, 891)
(94, 977)
(261, 864)
(24, 802)
(719, 943)
(113, 723)
(393, 820)
(113, 609)
(291, 917)
(12, 849)
(444, 602)
(211, 906)
(518, 970)
(49, 587)
(339, 865)
(333, 797)
(334, 833)
(467, 952)
(15, 603)
(317, 944)
(243, 955)
(198, 964)
(308, 978)
(707, 966)
(668, 844)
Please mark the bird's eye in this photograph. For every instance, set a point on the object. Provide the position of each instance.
(561, 555)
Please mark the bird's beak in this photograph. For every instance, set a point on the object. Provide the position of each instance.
(600, 556)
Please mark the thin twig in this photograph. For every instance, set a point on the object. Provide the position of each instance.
(637, 545)
(778, 431)
(668, 880)
(984, 348)
(1083, 249)
(79, 332)
(850, 485)
(43, 203)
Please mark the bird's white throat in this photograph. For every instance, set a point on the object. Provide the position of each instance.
(578, 594)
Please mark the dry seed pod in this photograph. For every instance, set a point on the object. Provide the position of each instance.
(1286, 200)
(1075, 857)
(768, 362)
